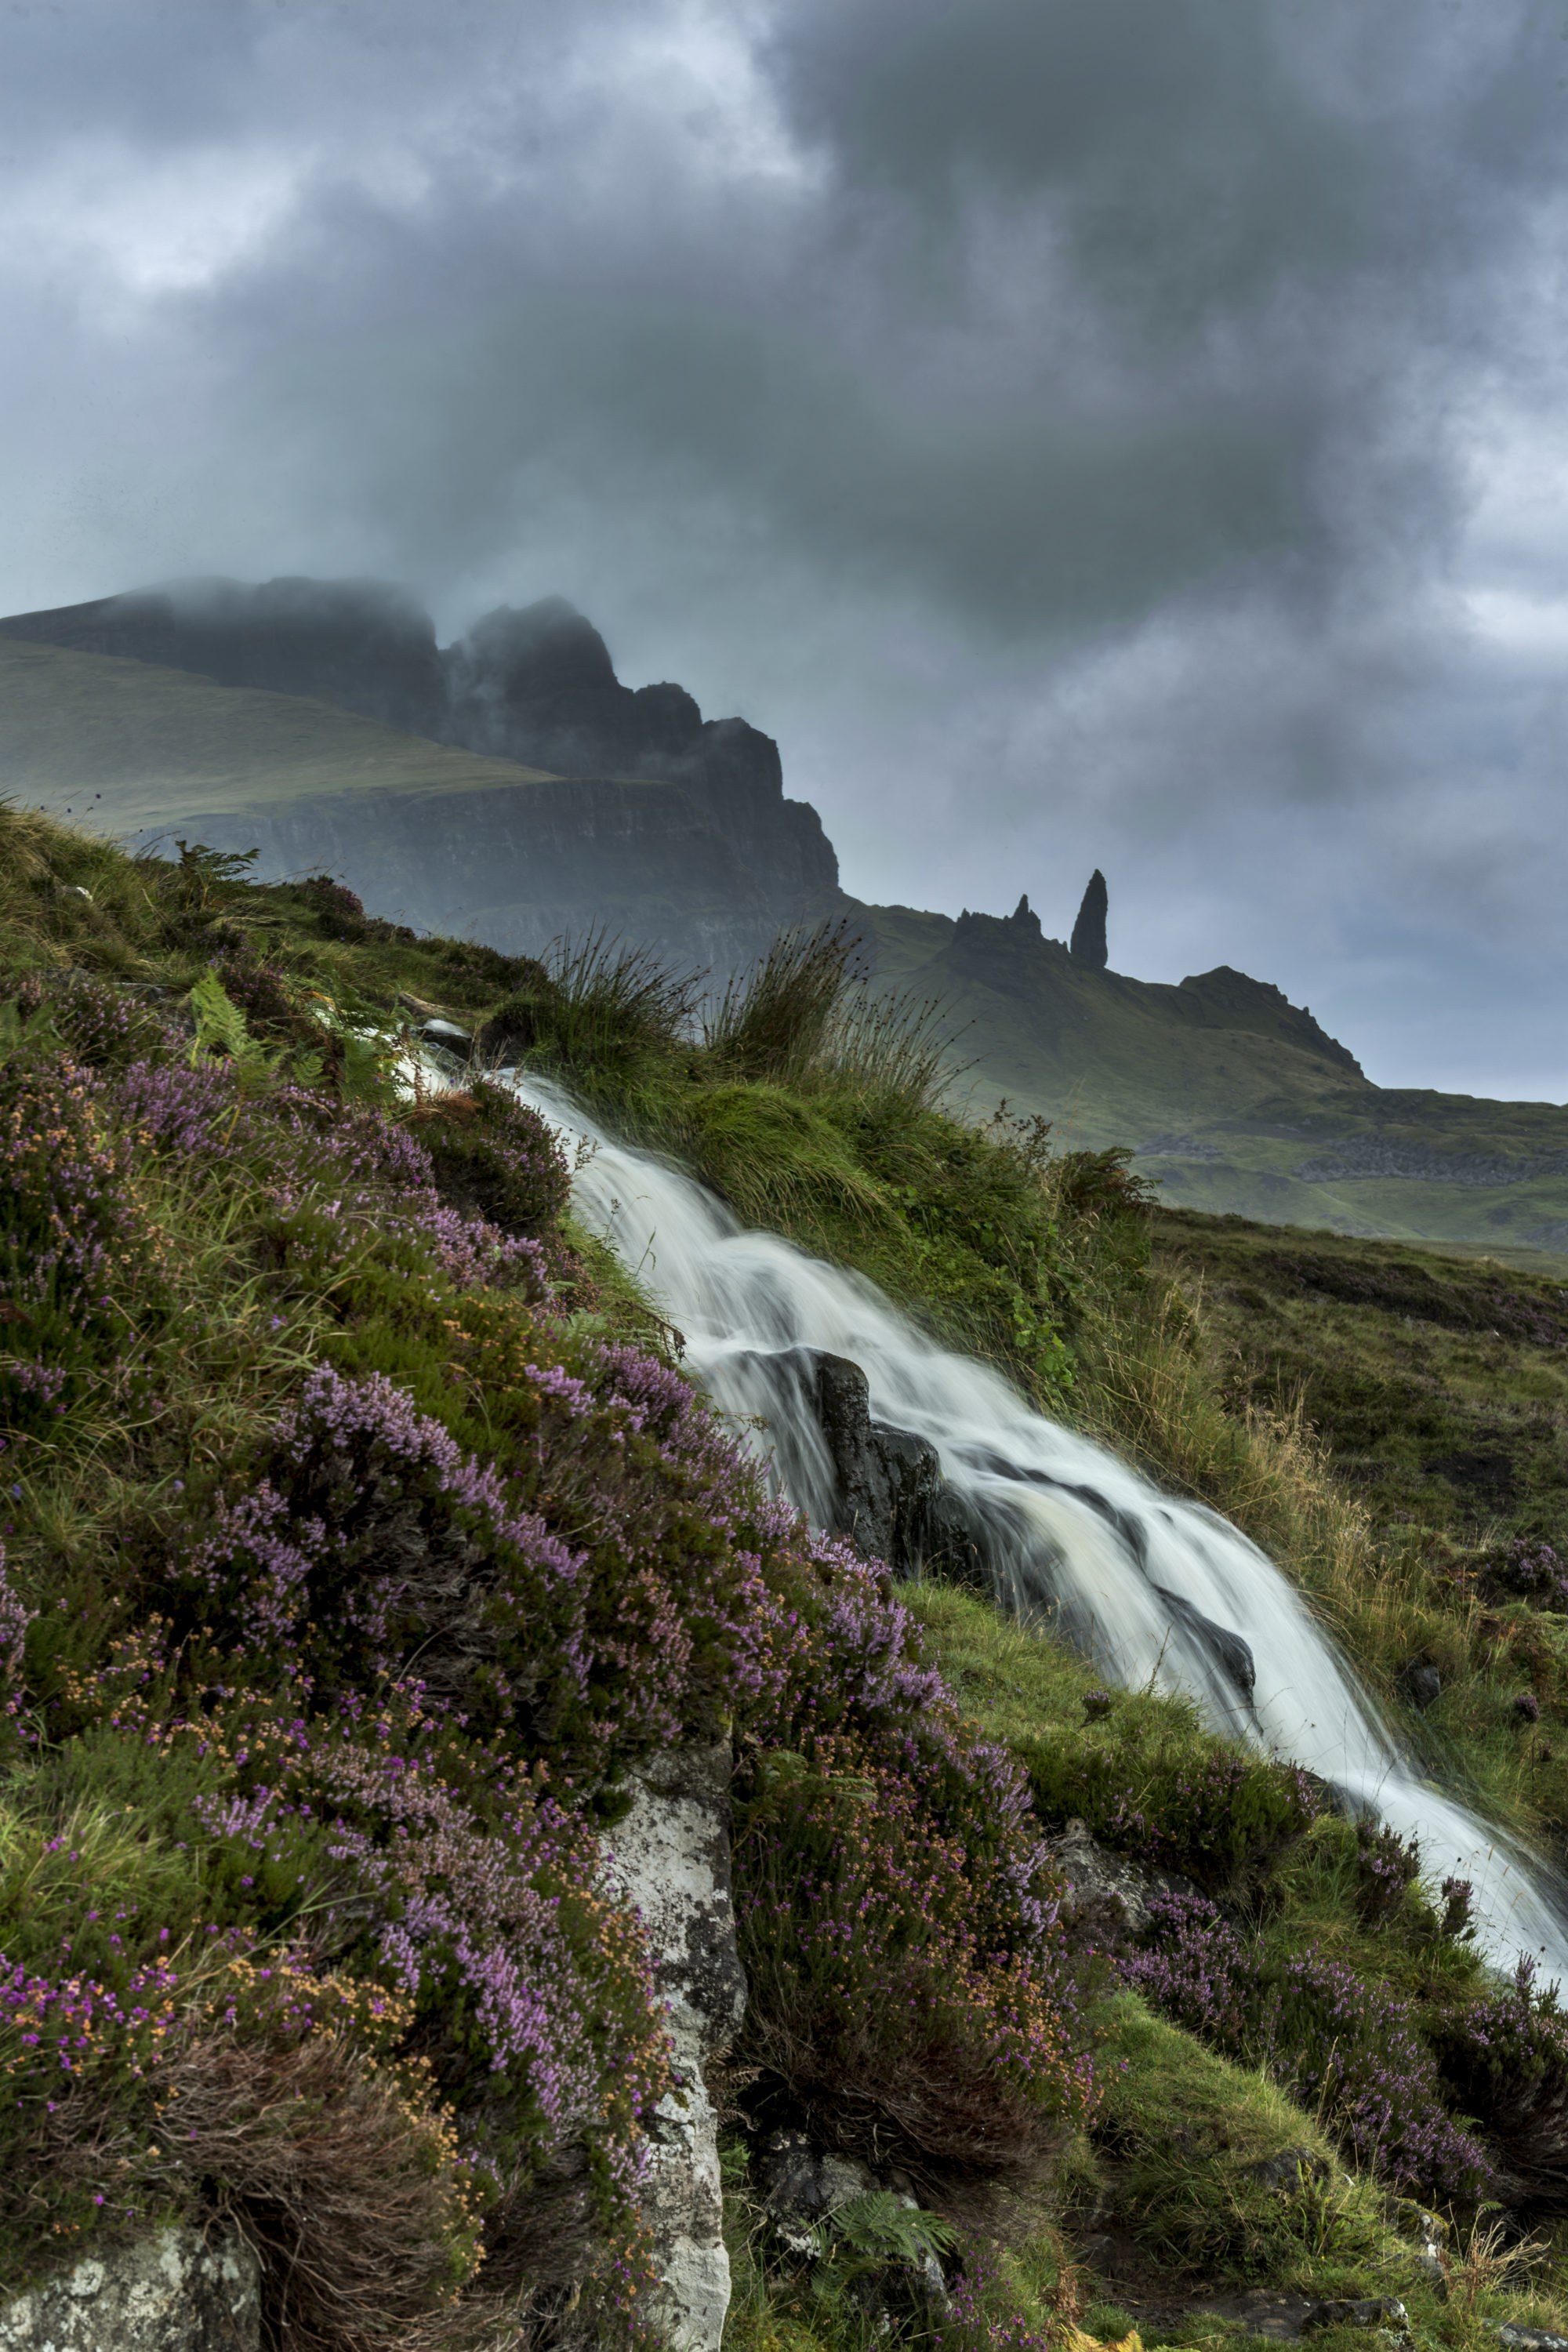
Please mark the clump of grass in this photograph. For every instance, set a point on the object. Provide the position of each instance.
(1145, 1773)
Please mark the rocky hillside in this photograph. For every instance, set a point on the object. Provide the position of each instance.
(661, 823)
(510, 788)
(1232, 1099)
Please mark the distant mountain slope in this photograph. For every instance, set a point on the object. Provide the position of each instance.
(509, 787)
(534, 685)
(1236, 1100)
(443, 838)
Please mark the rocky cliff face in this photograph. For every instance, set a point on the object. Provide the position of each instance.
(722, 860)
(523, 865)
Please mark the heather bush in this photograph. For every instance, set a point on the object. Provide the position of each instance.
(368, 1873)
(912, 2000)
(1386, 1869)
(1352, 2049)
(71, 1244)
(1504, 2060)
(494, 1158)
(1528, 1569)
(910, 1982)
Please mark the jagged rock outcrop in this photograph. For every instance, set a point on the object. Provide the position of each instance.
(362, 643)
(1007, 952)
(891, 1497)
(670, 1858)
(1226, 998)
(1087, 943)
(180, 2291)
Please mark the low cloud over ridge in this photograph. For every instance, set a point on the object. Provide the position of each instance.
(1117, 433)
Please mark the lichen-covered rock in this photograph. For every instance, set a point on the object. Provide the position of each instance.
(670, 1858)
(1107, 1887)
(177, 2292)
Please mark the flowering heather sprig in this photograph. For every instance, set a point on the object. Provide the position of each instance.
(1352, 2048)
(1386, 1868)
(1504, 2060)
(102, 1026)
(372, 1533)
(14, 1619)
(1532, 1569)
(984, 2313)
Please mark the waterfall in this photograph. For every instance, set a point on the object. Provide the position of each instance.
(1152, 1588)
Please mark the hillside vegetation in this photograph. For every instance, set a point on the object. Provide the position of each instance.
(1234, 1100)
(361, 1536)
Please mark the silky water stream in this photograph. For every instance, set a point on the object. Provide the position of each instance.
(1151, 1587)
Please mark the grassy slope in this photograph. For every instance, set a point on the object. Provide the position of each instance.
(914, 1202)
(126, 745)
(1234, 1111)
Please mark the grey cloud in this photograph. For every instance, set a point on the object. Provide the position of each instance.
(1054, 418)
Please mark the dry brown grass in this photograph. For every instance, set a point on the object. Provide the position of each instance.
(344, 2190)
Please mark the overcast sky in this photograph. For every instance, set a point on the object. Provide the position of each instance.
(1085, 432)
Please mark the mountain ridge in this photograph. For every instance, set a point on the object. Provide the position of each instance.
(282, 717)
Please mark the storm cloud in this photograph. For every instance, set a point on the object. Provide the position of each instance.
(1085, 432)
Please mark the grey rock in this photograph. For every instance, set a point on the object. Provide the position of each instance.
(448, 1038)
(1529, 2339)
(802, 2186)
(1427, 2263)
(1339, 2311)
(1422, 1684)
(1289, 2170)
(888, 1479)
(1230, 1652)
(1107, 1883)
(670, 1858)
(177, 2292)
(1088, 944)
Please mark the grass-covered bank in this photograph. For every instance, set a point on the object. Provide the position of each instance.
(361, 1536)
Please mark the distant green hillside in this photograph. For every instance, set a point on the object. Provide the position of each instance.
(1234, 1098)
(129, 746)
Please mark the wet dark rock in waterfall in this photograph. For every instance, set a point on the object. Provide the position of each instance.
(891, 1497)
(1229, 1651)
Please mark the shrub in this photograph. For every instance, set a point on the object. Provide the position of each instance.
(878, 1988)
(910, 1983)
(1504, 2060)
(70, 1242)
(1385, 1870)
(494, 1158)
(1526, 1570)
(1352, 2048)
(1215, 1816)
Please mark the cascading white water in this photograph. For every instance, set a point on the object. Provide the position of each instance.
(1140, 1580)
